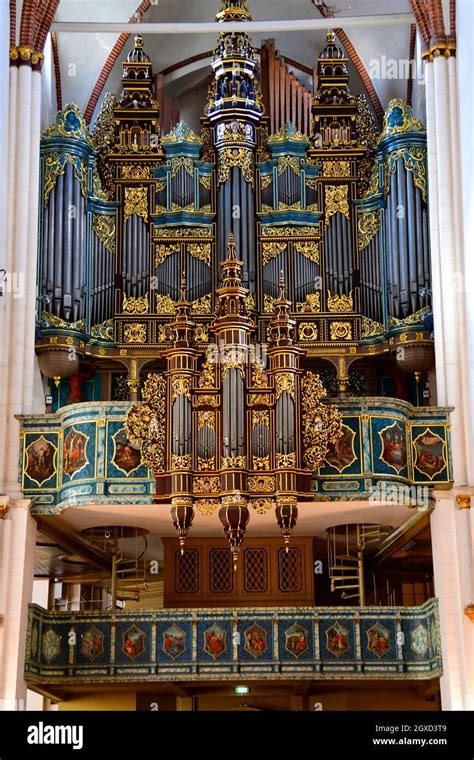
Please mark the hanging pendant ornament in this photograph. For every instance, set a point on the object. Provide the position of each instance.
(287, 515)
(182, 514)
(234, 518)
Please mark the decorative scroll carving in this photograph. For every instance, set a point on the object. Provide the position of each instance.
(261, 463)
(262, 506)
(289, 161)
(341, 331)
(241, 158)
(299, 232)
(233, 462)
(202, 305)
(104, 331)
(336, 168)
(138, 305)
(181, 386)
(286, 460)
(134, 333)
(207, 506)
(371, 328)
(181, 461)
(207, 378)
(311, 304)
(285, 383)
(181, 133)
(260, 417)
(104, 227)
(308, 331)
(164, 304)
(336, 199)
(270, 250)
(136, 202)
(322, 423)
(309, 249)
(163, 251)
(55, 164)
(367, 227)
(340, 302)
(146, 424)
(206, 484)
(206, 464)
(208, 418)
(201, 251)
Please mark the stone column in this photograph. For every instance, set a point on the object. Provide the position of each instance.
(17, 552)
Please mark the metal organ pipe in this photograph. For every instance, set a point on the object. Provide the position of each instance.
(58, 246)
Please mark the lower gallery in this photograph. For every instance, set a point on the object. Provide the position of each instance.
(236, 418)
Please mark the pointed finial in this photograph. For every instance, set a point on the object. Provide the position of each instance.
(183, 286)
(231, 247)
(281, 286)
(331, 36)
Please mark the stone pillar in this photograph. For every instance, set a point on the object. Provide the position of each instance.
(17, 553)
(452, 531)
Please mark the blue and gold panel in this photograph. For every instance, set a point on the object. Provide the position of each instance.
(336, 639)
(92, 643)
(255, 640)
(123, 459)
(430, 456)
(133, 641)
(174, 641)
(54, 644)
(344, 456)
(295, 640)
(378, 639)
(390, 455)
(78, 461)
(214, 640)
(40, 461)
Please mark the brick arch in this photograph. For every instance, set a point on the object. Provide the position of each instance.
(12, 23)
(430, 20)
(27, 22)
(45, 24)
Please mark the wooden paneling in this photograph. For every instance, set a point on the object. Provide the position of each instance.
(264, 576)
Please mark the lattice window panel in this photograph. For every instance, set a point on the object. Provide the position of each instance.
(290, 570)
(255, 571)
(187, 571)
(221, 574)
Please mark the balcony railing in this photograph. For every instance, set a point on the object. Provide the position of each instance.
(313, 643)
(81, 455)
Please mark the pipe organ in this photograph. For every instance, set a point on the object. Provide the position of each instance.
(235, 262)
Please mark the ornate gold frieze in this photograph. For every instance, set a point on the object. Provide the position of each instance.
(309, 249)
(299, 232)
(229, 463)
(289, 161)
(134, 332)
(181, 386)
(286, 460)
(241, 158)
(136, 202)
(180, 461)
(308, 331)
(285, 383)
(201, 251)
(182, 162)
(207, 484)
(104, 227)
(258, 374)
(131, 305)
(336, 199)
(340, 303)
(336, 168)
(260, 399)
(164, 304)
(206, 464)
(207, 401)
(311, 304)
(163, 251)
(261, 483)
(165, 334)
(234, 358)
(412, 319)
(105, 330)
(185, 232)
(322, 423)
(341, 331)
(271, 250)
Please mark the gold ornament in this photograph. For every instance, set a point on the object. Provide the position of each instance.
(261, 463)
(262, 506)
(286, 460)
(145, 424)
(163, 251)
(104, 228)
(261, 483)
(207, 506)
(164, 304)
(336, 168)
(206, 484)
(135, 305)
(336, 199)
(309, 249)
(201, 251)
(181, 386)
(235, 462)
(235, 157)
(322, 423)
(136, 202)
(285, 383)
(341, 331)
(134, 333)
(311, 304)
(308, 331)
(340, 303)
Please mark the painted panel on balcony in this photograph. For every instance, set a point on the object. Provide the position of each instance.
(309, 642)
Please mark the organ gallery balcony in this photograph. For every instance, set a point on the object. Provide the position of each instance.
(81, 456)
(314, 643)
